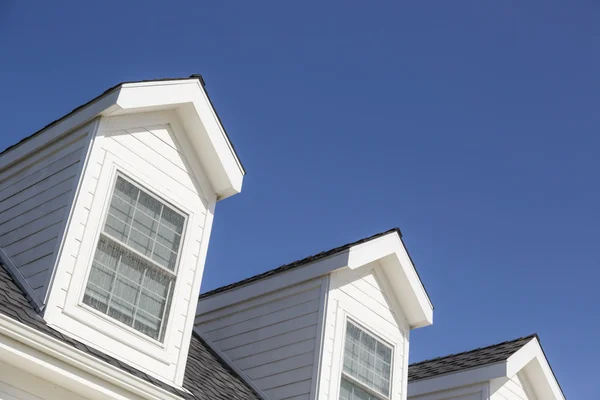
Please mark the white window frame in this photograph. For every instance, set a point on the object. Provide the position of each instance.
(165, 352)
(168, 311)
(343, 375)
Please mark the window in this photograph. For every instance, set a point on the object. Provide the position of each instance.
(367, 370)
(133, 272)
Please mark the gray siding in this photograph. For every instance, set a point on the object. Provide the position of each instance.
(271, 338)
(36, 193)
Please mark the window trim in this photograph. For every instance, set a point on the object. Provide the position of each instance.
(117, 173)
(343, 375)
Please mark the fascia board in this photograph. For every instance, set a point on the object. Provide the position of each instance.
(531, 358)
(406, 283)
(276, 282)
(402, 274)
(458, 379)
(103, 105)
(71, 368)
(209, 140)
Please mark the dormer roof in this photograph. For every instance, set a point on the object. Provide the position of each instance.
(186, 96)
(387, 246)
(501, 360)
(206, 375)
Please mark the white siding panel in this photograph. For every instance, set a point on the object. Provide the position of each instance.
(290, 391)
(284, 378)
(511, 389)
(359, 296)
(286, 364)
(35, 197)
(473, 392)
(272, 338)
(149, 155)
(280, 353)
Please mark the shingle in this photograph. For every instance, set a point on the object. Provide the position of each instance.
(466, 360)
(194, 76)
(299, 263)
(206, 375)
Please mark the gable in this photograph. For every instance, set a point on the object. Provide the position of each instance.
(362, 297)
(150, 151)
(515, 388)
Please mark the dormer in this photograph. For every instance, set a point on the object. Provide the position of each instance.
(106, 214)
(516, 369)
(332, 326)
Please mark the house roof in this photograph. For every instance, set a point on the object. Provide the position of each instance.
(206, 375)
(302, 262)
(117, 86)
(467, 359)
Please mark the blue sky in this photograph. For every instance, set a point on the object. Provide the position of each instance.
(473, 126)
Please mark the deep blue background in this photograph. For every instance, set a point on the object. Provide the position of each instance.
(474, 126)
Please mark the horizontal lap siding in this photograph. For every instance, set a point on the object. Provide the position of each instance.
(151, 157)
(360, 297)
(35, 198)
(272, 338)
(512, 389)
(153, 151)
(474, 392)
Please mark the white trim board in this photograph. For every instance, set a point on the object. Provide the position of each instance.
(529, 359)
(388, 250)
(70, 368)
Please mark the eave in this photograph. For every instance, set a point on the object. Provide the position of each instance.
(529, 359)
(187, 97)
(386, 248)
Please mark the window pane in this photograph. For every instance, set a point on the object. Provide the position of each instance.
(129, 289)
(367, 359)
(172, 220)
(350, 391)
(124, 285)
(144, 223)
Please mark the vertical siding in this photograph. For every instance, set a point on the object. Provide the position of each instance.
(361, 298)
(272, 338)
(511, 389)
(35, 198)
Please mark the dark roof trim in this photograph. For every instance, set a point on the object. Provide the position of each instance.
(14, 272)
(305, 261)
(117, 86)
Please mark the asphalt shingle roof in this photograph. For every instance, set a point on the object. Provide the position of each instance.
(466, 360)
(207, 376)
(299, 263)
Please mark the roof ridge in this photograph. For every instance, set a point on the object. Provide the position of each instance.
(80, 107)
(533, 335)
(297, 263)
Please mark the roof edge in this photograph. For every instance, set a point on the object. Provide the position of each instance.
(295, 264)
(531, 336)
(14, 272)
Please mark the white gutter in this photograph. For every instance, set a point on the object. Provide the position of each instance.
(68, 367)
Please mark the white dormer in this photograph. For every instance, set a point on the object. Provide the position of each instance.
(115, 204)
(325, 327)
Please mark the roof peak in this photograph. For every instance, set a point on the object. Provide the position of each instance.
(533, 335)
(298, 263)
